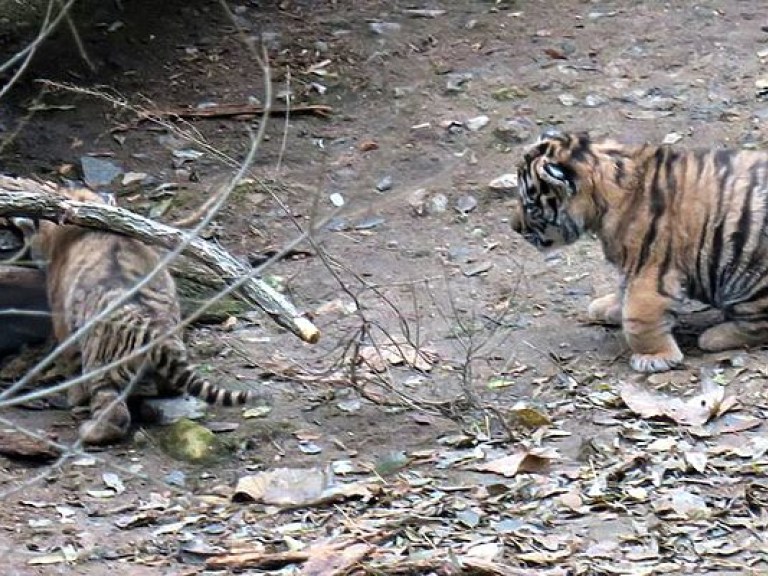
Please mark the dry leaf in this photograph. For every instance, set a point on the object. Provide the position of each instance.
(544, 557)
(336, 558)
(693, 411)
(297, 487)
(535, 460)
(377, 358)
(688, 504)
(696, 460)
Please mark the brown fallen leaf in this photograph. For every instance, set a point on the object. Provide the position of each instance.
(336, 558)
(263, 560)
(297, 488)
(544, 557)
(693, 411)
(377, 358)
(534, 460)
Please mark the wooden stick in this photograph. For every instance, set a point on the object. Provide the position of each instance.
(22, 197)
(229, 110)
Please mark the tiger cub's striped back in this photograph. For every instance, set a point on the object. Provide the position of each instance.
(88, 272)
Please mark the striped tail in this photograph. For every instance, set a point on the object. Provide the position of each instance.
(183, 377)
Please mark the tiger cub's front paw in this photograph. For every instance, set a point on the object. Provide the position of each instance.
(657, 362)
(606, 309)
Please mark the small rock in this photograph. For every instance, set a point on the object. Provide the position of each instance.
(423, 203)
(383, 28)
(384, 184)
(337, 224)
(595, 100)
(417, 201)
(508, 93)
(98, 172)
(456, 81)
(515, 130)
(504, 183)
(369, 223)
(477, 123)
(437, 204)
(175, 478)
(458, 253)
(567, 99)
(190, 442)
(424, 13)
(309, 447)
(466, 203)
(336, 199)
(478, 268)
(672, 138)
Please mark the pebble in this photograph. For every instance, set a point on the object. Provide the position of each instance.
(466, 203)
(456, 81)
(98, 172)
(567, 99)
(383, 28)
(175, 478)
(336, 199)
(594, 100)
(477, 123)
(369, 223)
(504, 183)
(384, 184)
(515, 130)
(437, 204)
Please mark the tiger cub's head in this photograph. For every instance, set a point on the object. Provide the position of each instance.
(556, 190)
(42, 236)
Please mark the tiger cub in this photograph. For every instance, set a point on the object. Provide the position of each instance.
(675, 223)
(87, 271)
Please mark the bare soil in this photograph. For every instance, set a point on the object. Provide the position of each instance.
(463, 285)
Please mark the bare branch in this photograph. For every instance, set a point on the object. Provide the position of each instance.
(28, 198)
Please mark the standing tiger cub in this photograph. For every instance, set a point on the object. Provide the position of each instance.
(676, 223)
(88, 271)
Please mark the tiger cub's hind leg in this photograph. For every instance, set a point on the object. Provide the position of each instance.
(734, 334)
(606, 309)
(109, 419)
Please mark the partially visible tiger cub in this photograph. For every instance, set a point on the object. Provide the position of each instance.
(675, 222)
(87, 271)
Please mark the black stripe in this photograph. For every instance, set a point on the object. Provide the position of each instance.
(723, 160)
(582, 148)
(700, 287)
(664, 269)
(194, 385)
(714, 261)
(657, 207)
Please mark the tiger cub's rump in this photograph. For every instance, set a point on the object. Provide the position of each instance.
(675, 223)
(88, 271)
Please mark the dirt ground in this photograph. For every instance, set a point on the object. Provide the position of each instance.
(510, 366)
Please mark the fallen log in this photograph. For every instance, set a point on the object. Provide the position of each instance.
(23, 197)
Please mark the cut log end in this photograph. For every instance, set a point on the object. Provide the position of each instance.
(306, 330)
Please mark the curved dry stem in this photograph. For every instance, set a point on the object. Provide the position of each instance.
(48, 26)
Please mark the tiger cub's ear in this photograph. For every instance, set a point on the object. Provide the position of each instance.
(108, 198)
